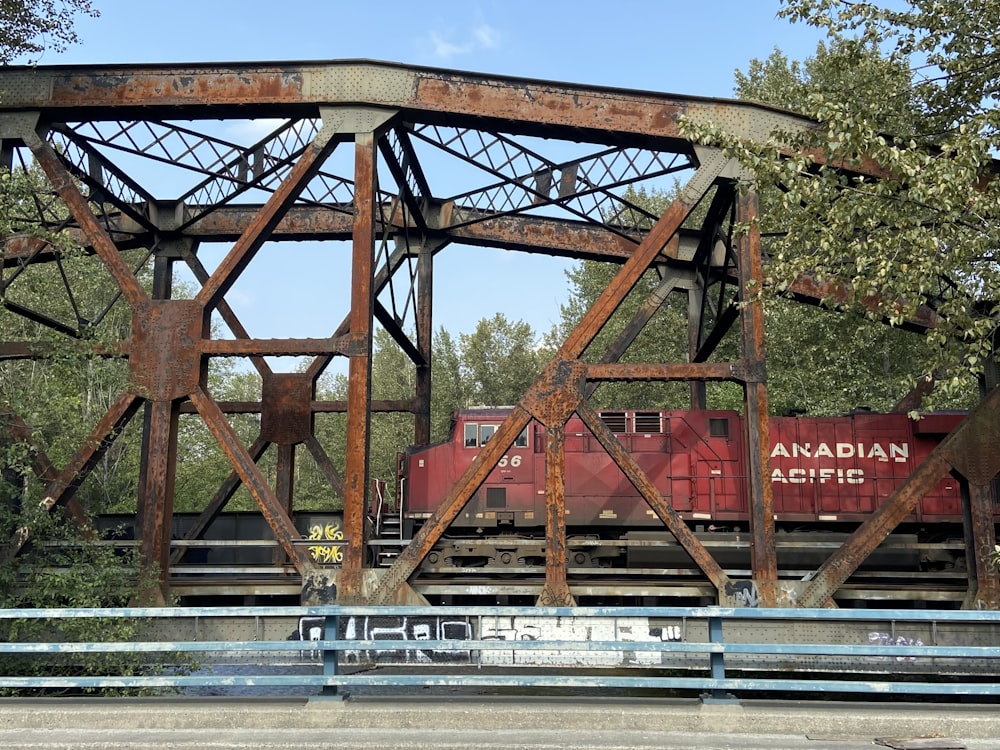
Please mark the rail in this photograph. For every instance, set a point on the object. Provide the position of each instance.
(719, 651)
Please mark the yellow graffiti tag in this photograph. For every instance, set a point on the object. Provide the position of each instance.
(326, 553)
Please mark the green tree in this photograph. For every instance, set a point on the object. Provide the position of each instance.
(926, 230)
(828, 362)
(500, 360)
(31, 26)
(449, 391)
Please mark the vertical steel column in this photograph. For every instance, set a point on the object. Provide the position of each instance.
(284, 487)
(980, 541)
(425, 335)
(763, 558)
(556, 591)
(156, 489)
(154, 505)
(359, 371)
(699, 397)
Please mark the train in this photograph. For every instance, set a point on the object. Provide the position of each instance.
(827, 474)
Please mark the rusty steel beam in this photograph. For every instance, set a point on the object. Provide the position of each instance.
(325, 465)
(957, 449)
(259, 229)
(346, 345)
(225, 311)
(981, 539)
(645, 487)
(647, 251)
(65, 185)
(515, 104)
(393, 584)
(43, 468)
(805, 288)
(218, 502)
(317, 407)
(425, 340)
(359, 368)
(284, 530)
(760, 498)
(660, 372)
(155, 507)
(60, 489)
(556, 591)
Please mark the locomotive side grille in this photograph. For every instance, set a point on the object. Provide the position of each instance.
(648, 423)
(615, 420)
(496, 497)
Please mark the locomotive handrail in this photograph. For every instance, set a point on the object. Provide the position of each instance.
(691, 656)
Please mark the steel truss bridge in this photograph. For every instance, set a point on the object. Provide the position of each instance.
(365, 155)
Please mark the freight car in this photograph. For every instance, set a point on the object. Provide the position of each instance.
(828, 474)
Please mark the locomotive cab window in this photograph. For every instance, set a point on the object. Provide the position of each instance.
(522, 439)
(486, 431)
(471, 435)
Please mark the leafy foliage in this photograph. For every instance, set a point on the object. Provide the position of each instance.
(62, 568)
(922, 118)
(31, 26)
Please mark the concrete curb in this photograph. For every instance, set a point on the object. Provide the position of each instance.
(580, 716)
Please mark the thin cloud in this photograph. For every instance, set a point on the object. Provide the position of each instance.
(445, 47)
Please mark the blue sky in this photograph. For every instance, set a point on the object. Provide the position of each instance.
(666, 45)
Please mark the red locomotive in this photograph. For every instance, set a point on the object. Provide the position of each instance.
(827, 474)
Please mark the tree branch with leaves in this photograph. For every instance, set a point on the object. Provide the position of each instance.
(29, 27)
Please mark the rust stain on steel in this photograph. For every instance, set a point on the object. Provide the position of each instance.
(286, 413)
(356, 471)
(660, 372)
(763, 555)
(842, 563)
(556, 591)
(164, 360)
(676, 525)
(219, 500)
(140, 86)
(260, 227)
(284, 530)
(156, 487)
(83, 461)
(554, 396)
(43, 468)
(551, 236)
(65, 185)
(451, 506)
(974, 449)
(806, 287)
(348, 345)
(984, 578)
(550, 104)
(300, 222)
(325, 465)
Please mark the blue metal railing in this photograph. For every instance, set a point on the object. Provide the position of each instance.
(699, 649)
